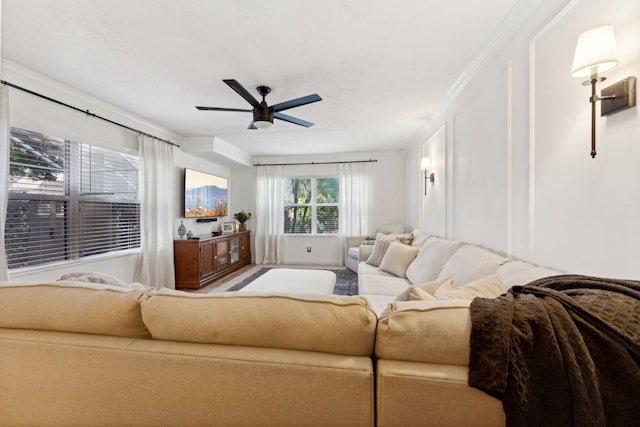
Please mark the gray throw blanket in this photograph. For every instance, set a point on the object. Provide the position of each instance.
(560, 351)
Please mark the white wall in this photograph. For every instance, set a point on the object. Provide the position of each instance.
(182, 161)
(519, 178)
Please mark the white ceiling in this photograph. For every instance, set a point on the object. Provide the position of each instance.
(380, 66)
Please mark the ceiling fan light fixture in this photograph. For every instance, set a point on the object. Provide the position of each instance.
(262, 124)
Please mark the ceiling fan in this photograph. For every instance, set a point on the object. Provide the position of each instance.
(264, 114)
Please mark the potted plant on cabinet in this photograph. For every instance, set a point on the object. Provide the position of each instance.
(242, 217)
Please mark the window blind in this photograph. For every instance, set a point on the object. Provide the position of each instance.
(68, 200)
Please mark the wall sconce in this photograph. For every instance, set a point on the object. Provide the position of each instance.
(596, 53)
(425, 165)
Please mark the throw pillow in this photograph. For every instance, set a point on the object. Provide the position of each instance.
(417, 294)
(93, 277)
(486, 287)
(397, 258)
(419, 237)
(380, 247)
(432, 289)
(402, 238)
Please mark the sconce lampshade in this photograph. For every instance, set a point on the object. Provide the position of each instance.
(595, 52)
(425, 163)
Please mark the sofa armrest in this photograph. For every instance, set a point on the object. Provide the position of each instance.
(354, 241)
(364, 251)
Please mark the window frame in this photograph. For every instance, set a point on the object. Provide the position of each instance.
(123, 232)
(313, 204)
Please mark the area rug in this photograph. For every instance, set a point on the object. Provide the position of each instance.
(346, 281)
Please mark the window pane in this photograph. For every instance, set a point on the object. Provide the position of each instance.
(107, 172)
(37, 163)
(107, 227)
(34, 232)
(297, 219)
(327, 219)
(327, 190)
(298, 191)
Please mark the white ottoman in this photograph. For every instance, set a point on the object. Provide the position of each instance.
(293, 281)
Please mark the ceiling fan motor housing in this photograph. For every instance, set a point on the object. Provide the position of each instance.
(264, 114)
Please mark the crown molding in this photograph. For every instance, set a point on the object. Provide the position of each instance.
(515, 19)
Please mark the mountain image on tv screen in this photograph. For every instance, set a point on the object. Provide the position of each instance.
(205, 195)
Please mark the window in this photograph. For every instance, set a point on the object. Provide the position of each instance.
(311, 206)
(68, 200)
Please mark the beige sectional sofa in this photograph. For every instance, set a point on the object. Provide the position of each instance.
(74, 353)
(422, 346)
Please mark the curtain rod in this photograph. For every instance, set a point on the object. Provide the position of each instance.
(87, 112)
(314, 163)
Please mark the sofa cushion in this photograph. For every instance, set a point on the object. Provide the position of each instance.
(397, 258)
(365, 269)
(425, 291)
(469, 263)
(485, 287)
(425, 331)
(381, 285)
(433, 255)
(529, 275)
(326, 323)
(74, 307)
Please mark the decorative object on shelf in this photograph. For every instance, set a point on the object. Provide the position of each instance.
(228, 227)
(189, 234)
(242, 217)
(182, 230)
(425, 165)
(596, 53)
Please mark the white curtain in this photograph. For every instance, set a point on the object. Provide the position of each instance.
(355, 198)
(155, 264)
(4, 177)
(271, 187)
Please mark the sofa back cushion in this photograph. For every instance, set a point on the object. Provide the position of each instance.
(433, 255)
(470, 263)
(425, 331)
(521, 273)
(326, 323)
(74, 307)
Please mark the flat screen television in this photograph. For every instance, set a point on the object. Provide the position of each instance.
(205, 195)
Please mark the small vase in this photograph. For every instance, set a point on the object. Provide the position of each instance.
(182, 230)
(242, 227)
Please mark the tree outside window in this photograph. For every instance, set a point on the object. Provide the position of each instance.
(311, 206)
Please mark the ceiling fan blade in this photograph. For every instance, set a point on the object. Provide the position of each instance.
(223, 109)
(293, 120)
(240, 90)
(296, 102)
(251, 126)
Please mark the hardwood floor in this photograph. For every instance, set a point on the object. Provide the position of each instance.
(231, 277)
